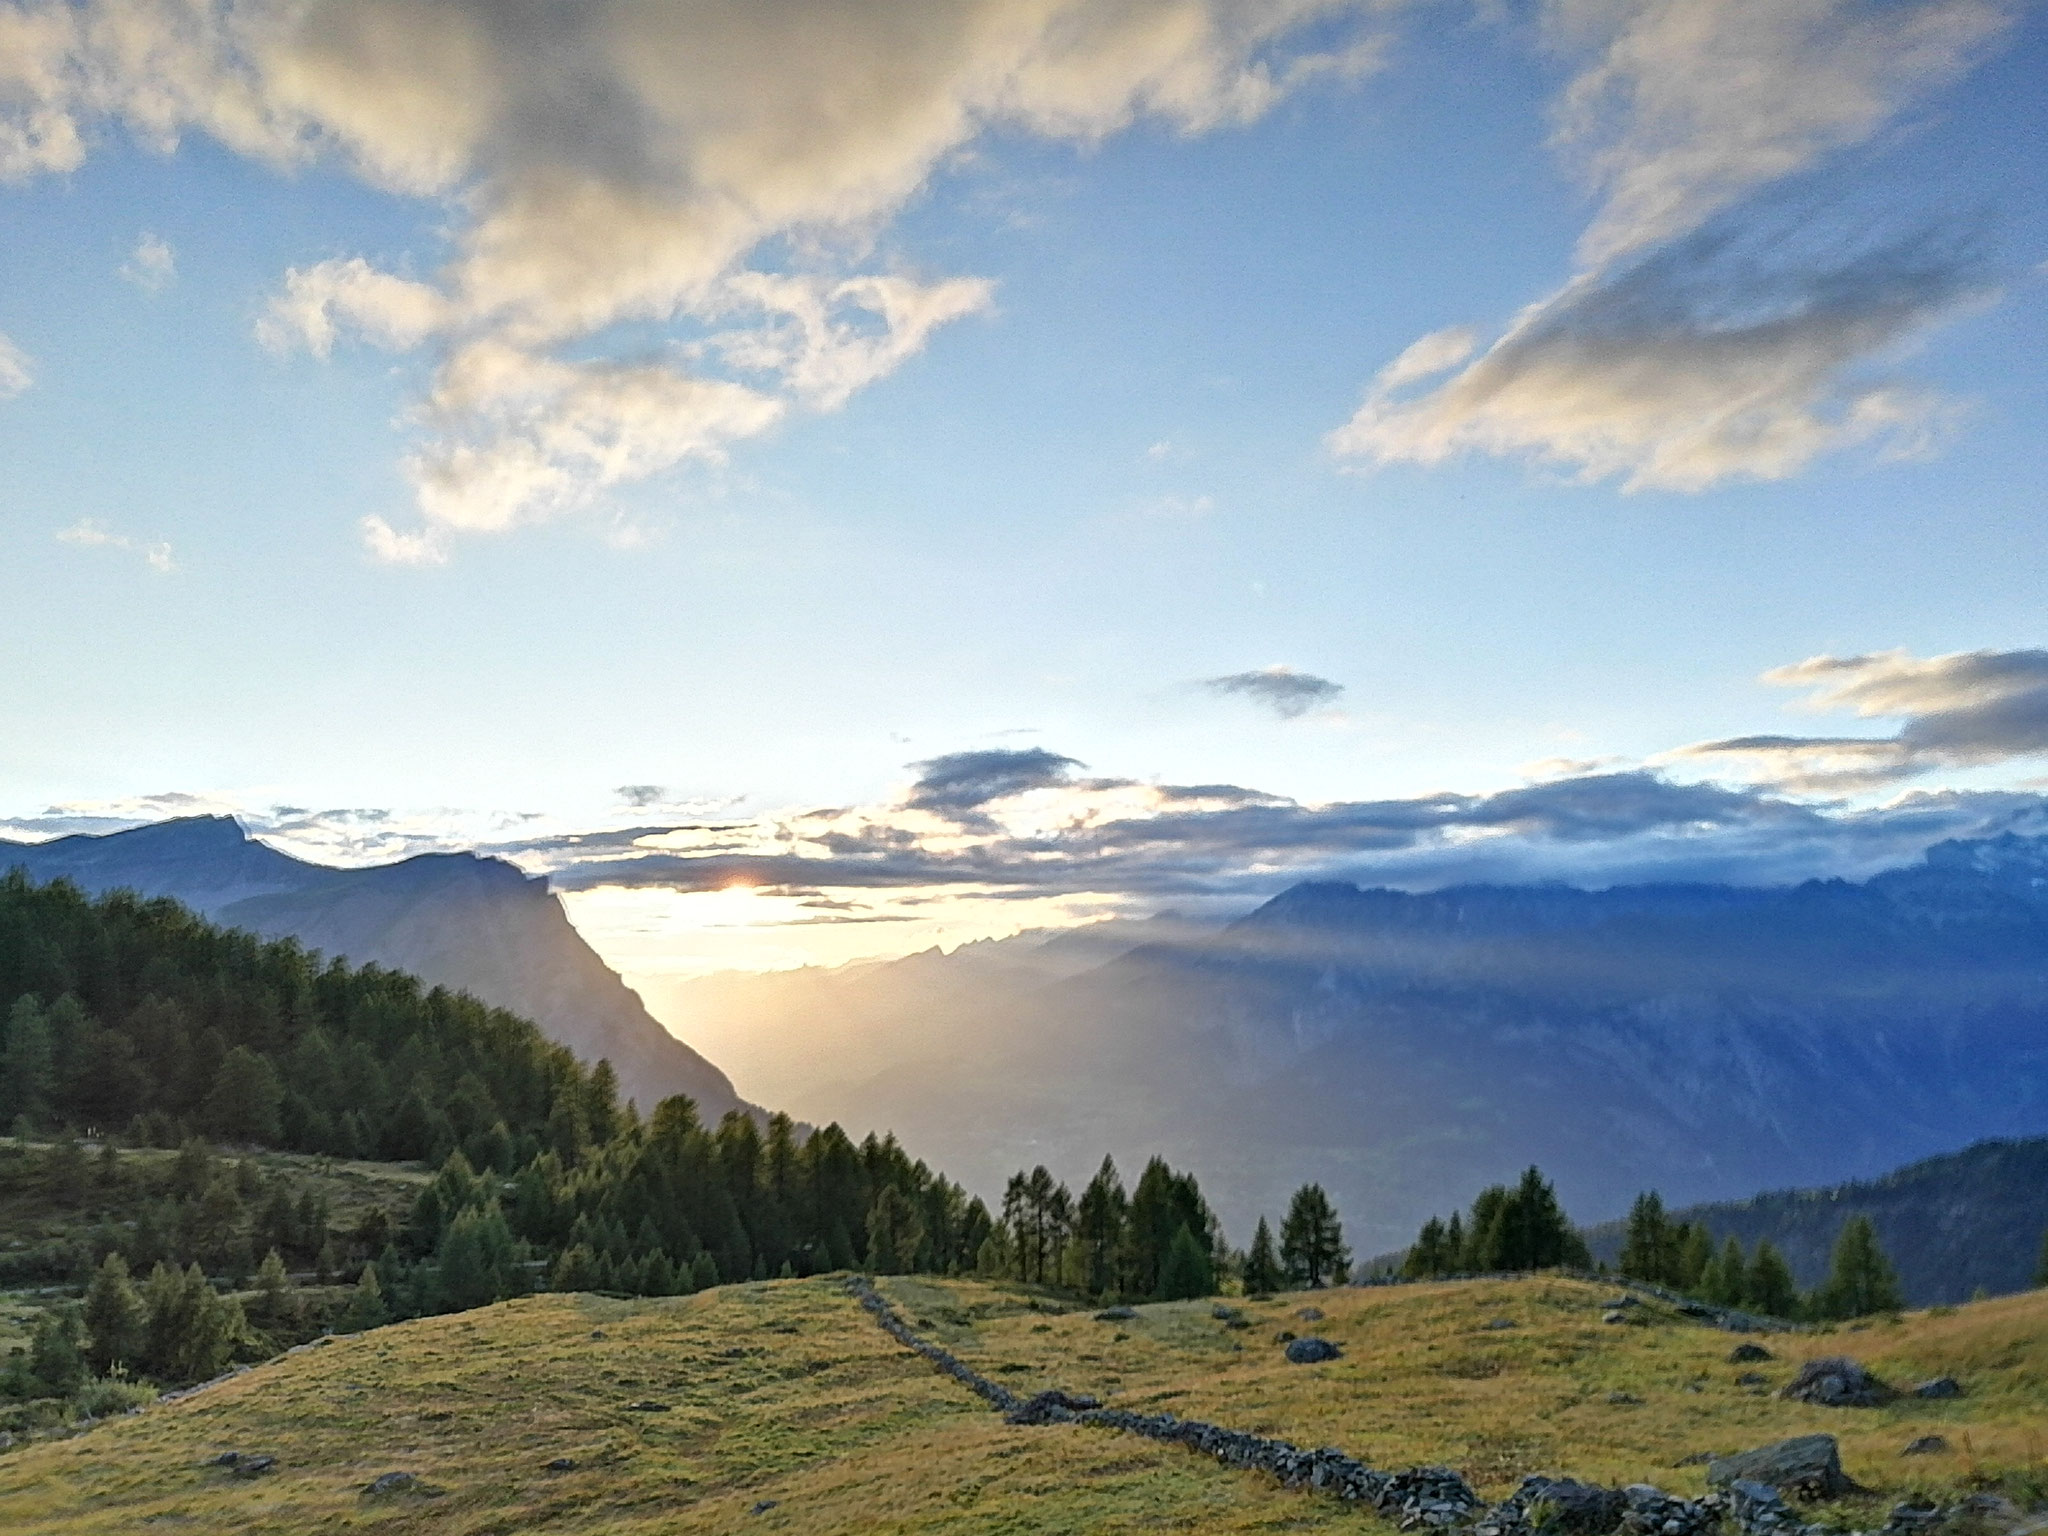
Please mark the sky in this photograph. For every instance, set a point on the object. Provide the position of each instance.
(820, 481)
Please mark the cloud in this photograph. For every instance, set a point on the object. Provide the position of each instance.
(17, 372)
(89, 533)
(1288, 693)
(152, 266)
(1707, 336)
(665, 220)
(960, 784)
(1968, 709)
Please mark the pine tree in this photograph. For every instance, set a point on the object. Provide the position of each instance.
(54, 1358)
(188, 1331)
(1428, 1258)
(27, 1064)
(895, 1233)
(1188, 1271)
(1695, 1252)
(1770, 1288)
(245, 1100)
(1861, 1280)
(1099, 1222)
(113, 1316)
(1647, 1251)
(366, 1308)
(277, 1305)
(575, 1270)
(1312, 1240)
(1726, 1276)
(1262, 1272)
(703, 1271)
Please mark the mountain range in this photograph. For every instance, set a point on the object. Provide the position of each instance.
(1407, 1049)
(471, 923)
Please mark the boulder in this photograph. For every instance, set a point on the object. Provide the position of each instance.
(1807, 1465)
(1749, 1354)
(1311, 1351)
(1566, 1504)
(1836, 1381)
(1941, 1386)
(1225, 1314)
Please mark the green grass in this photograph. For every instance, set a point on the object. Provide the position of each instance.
(786, 1391)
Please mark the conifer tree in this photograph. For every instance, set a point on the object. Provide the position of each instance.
(1429, 1257)
(575, 1270)
(277, 1305)
(54, 1358)
(1312, 1240)
(246, 1099)
(113, 1316)
(1695, 1252)
(1770, 1288)
(1726, 1276)
(366, 1308)
(27, 1064)
(1647, 1253)
(1188, 1271)
(1861, 1280)
(1262, 1272)
(1099, 1228)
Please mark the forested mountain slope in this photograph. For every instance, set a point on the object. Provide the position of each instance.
(456, 920)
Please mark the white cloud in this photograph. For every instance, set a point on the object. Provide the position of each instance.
(632, 163)
(17, 371)
(89, 533)
(152, 266)
(1665, 363)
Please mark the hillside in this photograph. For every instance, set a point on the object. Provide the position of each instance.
(781, 1407)
(1404, 1049)
(466, 922)
(1952, 1225)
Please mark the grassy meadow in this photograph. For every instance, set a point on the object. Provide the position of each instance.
(687, 1414)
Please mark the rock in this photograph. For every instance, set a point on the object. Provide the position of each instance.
(1699, 1458)
(1940, 1387)
(1836, 1381)
(254, 1466)
(1926, 1445)
(1752, 1379)
(1051, 1407)
(561, 1464)
(597, 1333)
(1309, 1314)
(1311, 1351)
(1284, 1336)
(391, 1482)
(762, 1506)
(1116, 1314)
(1749, 1354)
(1758, 1508)
(1807, 1465)
(1496, 1324)
(1913, 1519)
(1615, 1315)
(1566, 1504)
(1224, 1314)
(1621, 1303)
(647, 1405)
(1624, 1399)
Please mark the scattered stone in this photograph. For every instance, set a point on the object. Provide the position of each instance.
(1308, 1314)
(1760, 1510)
(762, 1506)
(1053, 1407)
(242, 1464)
(597, 1333)
(647, 1405)
(1311, 1351)
(1496, 1324)
(561, 1464)
(1614, 1315)
(387, 1483)
(1752, 1379)
(1836, 1381)
(1940, 1387)
(1566, 1504)
(1624, 1399)
(1621, 1303)
(1698, 1458)
(1224, 1314)
(1807, 1465)
(1749, 1354)
(1914, 1519)
(1926, 1445)
(1116, 1314)
(1284, 1336)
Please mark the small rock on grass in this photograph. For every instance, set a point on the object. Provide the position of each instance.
(1309, 1314)
(1926, 1445)
(1836, 1381)
(387, 1483)
(762, 1506)
(1498, 1324)
(1940, 1387)
(561, 1464)
(1116, 1314)
(1624, 1399)
(1312, 1351)
(1748, 1354)
(1614, 1315)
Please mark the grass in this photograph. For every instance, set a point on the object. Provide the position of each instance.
(785, 1391)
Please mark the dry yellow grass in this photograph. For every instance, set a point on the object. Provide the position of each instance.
(786, 1391)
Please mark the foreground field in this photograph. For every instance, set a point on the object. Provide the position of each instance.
(688, 1415)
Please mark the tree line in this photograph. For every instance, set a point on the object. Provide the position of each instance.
(1682, 1255)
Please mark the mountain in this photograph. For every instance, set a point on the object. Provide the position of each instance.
(1406, 1049)
(1952, 1225)
(458, 920)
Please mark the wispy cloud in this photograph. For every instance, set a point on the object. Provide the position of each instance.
(1964, 710)
(152, 266)
(721, 174)
(89, 533)
(1286, 692)
(17, 372)
(1707, 336)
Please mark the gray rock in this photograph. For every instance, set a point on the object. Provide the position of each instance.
(1926, 1445)
(1116, 1314)
(762, 1506)
(1621, 1303)
(1566, 1504)
(561, 1464)
(1497, 1324)
(1615, 1315)
(1624, 1399)
(1749, 1354)
(1308, 1314)
(1224, 1314)
(1836, 1381)
(1311, 1351)
(1940, 1387)
(1752, 1379)
(647, 1405)
(386, 1483)
(1807, 1465)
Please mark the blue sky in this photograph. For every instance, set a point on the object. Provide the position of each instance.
(407, 446)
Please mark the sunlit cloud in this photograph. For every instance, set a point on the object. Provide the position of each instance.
(89, 533)
(152, 266)
(17, 372)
